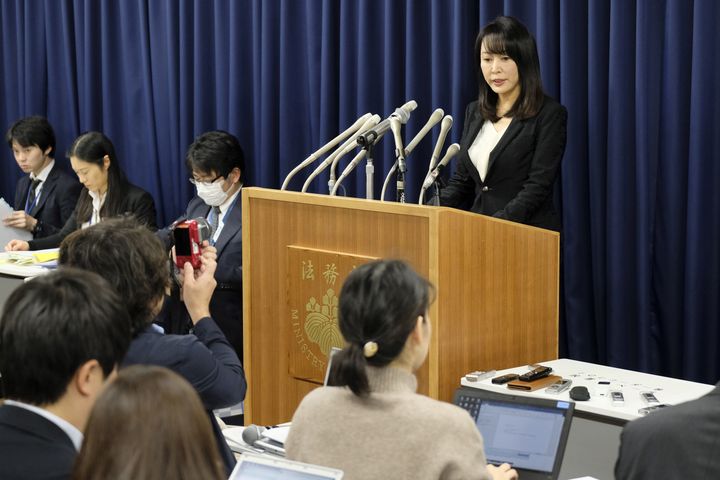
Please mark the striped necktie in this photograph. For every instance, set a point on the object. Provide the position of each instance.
(31, 196)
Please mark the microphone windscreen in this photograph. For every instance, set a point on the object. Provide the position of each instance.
(450, 153)
(252, 433)
(447, 122)
(403, 113)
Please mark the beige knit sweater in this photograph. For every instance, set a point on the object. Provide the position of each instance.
(392, 434)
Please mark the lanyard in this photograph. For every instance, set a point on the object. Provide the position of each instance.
(220, 225)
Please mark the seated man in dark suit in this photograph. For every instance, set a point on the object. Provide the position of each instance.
(217, 165)
(62, 336)
(46, 197)
(134, 261)
(676, 442)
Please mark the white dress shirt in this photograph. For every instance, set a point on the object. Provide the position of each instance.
(42, 176)
(97, 203)
(485, 142)
(224, 209)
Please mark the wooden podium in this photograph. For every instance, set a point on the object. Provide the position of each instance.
(497, 285)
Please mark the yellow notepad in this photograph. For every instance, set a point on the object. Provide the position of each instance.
(32, 258)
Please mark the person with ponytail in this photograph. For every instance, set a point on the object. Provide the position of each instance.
(107, 192)
(371, 423)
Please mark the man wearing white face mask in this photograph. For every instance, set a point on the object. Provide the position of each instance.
(217, 165)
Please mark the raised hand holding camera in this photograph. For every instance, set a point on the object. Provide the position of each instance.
(199, 284)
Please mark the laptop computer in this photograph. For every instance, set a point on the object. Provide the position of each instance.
(331, 354)
(527, 432)
(267, 467)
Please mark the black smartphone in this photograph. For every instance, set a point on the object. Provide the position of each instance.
(503, 379)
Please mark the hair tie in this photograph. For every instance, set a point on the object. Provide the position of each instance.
(370, 349)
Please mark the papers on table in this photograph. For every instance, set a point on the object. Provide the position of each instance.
(44, 258)
(28, 264)
(8, 233)
(279, 434)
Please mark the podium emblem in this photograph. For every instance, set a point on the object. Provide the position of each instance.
(315, 278)
(321, 322)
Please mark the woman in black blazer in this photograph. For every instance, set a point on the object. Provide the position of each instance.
(514, 135)
(107, 192)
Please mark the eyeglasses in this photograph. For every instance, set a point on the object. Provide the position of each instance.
(206, 183)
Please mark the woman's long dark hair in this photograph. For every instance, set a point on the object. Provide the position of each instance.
(379, 302)
(149, 423)
(91, 147)
(508, 36)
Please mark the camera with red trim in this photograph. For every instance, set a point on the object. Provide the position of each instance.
(189, 236)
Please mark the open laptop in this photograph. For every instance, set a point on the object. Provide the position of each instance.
(527, 432)
(268, 467)
(331, 354)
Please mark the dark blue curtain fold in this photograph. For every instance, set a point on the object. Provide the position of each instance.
(639, 183)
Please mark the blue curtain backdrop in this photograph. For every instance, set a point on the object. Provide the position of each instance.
(639, 186)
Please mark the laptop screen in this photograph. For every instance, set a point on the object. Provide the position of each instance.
(255, 471)
(268, 467)
(524, 436)
(527, 432)
(331, 354)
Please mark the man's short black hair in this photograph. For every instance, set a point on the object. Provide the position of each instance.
(54, 324)
(130, 257)
(216, 151)
(31, 131)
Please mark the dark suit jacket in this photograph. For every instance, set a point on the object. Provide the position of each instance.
(676, 442)
(57, 200)
(521, 171)
(136, 201)
(204, 359)
(226, 303)
(32, 447)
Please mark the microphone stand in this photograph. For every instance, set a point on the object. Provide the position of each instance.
(402, 168)
(368, 144)
(435, 200)
(369, 170)
(437, 186)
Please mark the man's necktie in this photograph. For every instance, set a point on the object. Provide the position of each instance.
(214, 219)
(31, 197)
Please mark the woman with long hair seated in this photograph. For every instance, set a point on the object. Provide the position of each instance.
(107, 192)
(372, 424)
(148, 424)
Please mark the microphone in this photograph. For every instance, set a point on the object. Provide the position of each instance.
(432, 176)
(326, 148)
(399, 149)
(349, 146)
(401, 113)
(346, 147)
(445, 126)
(400, 155)
(436, 116)
(358, 158)
(253, 436)
(252, 433)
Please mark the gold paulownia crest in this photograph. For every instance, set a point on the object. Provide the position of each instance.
(321, 322)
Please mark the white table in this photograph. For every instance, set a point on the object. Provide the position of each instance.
(12, 276)
(595, 432)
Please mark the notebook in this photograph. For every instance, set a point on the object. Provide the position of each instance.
(267, 467)
(527, 432)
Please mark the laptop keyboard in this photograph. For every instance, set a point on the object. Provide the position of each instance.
(471, 404)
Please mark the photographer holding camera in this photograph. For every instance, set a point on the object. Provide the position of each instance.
(133, 260)
(217, 165)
